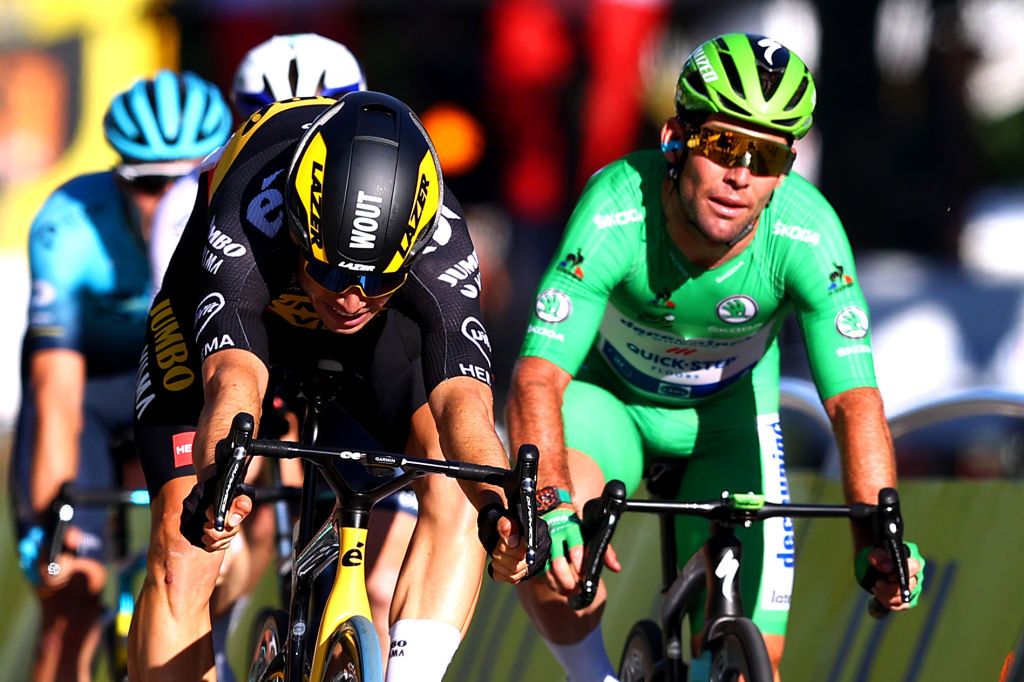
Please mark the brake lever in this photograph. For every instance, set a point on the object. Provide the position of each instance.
(889, 534)
(232, 462)
(525, 478)
(63, 512)
(890, 529)
(603, 518)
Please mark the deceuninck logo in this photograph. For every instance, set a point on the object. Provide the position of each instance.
(553, 305)
(852, 322)
(737, 309)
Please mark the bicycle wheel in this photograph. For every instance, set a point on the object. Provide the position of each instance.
(643, 658)
(269, 632)
(737, 649)
(353, 653)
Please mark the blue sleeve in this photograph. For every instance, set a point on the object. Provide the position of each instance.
(61, 244)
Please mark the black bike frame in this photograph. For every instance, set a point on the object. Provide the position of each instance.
(315, 549)
(682, 587)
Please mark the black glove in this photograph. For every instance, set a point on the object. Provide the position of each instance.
(487, 531)
(195, 506)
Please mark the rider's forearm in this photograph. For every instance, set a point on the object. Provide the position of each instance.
(534, 416)
(865, 445)
(233, 381)
(463, 410)
(58, 381)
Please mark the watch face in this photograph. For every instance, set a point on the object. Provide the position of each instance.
(550, 497)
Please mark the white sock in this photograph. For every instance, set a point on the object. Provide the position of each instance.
(421, 650)
(586, 660)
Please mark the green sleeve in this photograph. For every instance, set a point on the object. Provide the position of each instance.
(597, 251)
(830, 306)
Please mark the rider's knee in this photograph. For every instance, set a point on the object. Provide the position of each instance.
(442, 502)
(380, 586)
(175, 565)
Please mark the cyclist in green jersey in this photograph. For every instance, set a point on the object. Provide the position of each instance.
(654, 335)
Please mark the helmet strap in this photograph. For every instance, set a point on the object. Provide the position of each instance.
(739, 237)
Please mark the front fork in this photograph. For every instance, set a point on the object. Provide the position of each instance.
(348, 594)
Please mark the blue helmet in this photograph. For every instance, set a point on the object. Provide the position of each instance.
(169, 117)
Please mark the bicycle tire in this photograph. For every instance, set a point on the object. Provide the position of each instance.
(737, 649)
(643, 655)
(353, 653)
(270, 629)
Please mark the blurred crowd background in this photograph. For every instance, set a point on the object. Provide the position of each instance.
(918, 143)
(918, 139)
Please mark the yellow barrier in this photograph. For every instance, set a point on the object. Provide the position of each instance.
(62, 62)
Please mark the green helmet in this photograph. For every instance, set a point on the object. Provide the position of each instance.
(750, 78)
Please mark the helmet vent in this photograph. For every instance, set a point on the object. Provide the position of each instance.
(160, 120)
(799, 94)
(733, 107)
(769, 82)
(376, 120)
(267, 96)
(293, 75)
(697, 83)
(732, 73)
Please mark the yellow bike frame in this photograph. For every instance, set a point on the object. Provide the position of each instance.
(348, 594)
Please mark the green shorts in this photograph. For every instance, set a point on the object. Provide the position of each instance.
(732, 442)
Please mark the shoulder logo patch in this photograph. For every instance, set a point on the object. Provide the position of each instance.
(553, 305)
(852, 322)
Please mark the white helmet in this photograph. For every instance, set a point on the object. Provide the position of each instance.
(296, 65)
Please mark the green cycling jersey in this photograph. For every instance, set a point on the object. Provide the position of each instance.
(674, 334)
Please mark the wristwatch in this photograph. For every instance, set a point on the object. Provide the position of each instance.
(550, 497)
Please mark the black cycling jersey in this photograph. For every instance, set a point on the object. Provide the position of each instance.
(233, 283)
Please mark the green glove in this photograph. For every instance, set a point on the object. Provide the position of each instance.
(564, 528)
(867, 575)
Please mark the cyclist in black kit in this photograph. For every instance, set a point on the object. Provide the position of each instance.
(321, 233)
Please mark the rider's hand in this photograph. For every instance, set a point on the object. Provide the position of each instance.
(567, 549)
(500, 534)
(877, 575)
(197, 516)
(32, 558)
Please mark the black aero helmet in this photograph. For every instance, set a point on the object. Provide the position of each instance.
(364, 188)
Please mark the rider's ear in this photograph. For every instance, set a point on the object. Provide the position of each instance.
(672, 134)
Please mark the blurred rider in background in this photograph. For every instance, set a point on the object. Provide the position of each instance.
(91, 289)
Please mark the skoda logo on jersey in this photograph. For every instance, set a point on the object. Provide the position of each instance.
(474, 330)
(737, 309)
(852, 322)
(553, 305)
